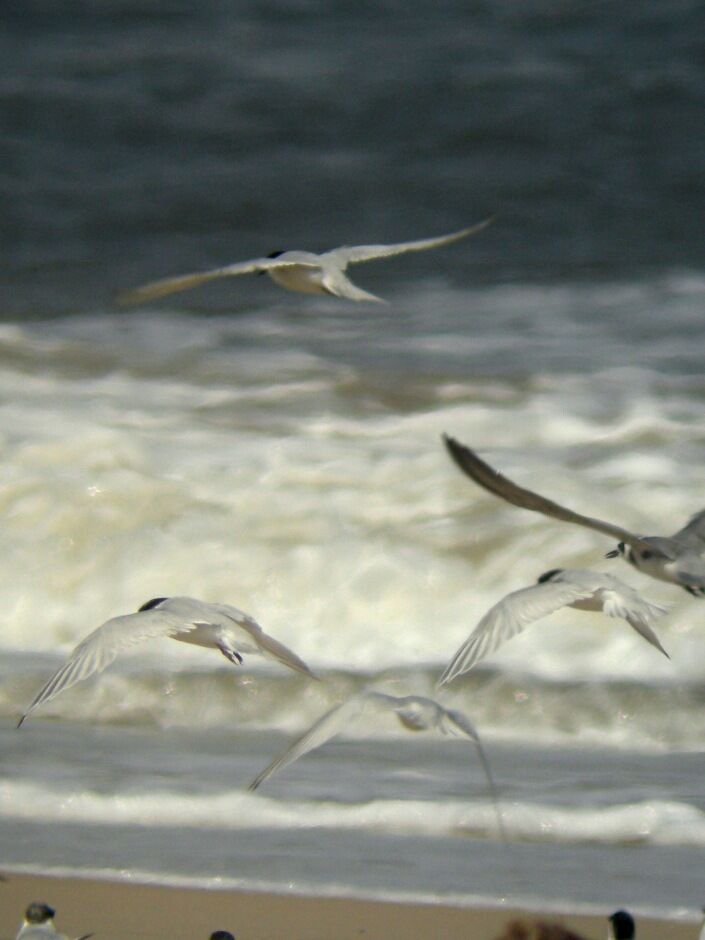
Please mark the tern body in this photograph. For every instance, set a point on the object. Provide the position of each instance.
(213, 626)
(303, 271)
(561, 587)
(414, 712)
(39, 924)
(677, 559)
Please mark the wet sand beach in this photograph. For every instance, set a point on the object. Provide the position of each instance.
(118, 910)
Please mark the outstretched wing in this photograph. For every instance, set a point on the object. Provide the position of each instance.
(101, 647)
(171, 285)
(454, 722)
(619, 600)
(267, 645)
(321, 731)
(351, 255)
(488, 478)
(692, 534)
(508, 618)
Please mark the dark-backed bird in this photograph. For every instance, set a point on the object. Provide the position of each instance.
(677, 559)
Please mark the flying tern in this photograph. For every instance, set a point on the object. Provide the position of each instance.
(301, 271)
(415, 713)
(560, 587)
(39, 924)
(677, 559)
(214, 626)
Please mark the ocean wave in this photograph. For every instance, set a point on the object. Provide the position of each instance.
(263, 461)
(506, 705)
(651, 822)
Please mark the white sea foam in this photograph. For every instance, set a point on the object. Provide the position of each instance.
(651, 822)
(253, 461)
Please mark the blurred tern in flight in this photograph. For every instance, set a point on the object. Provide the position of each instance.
(677, 559)
(561, 587)
(415, 712)
(301, 271)
(39, 924)
(213, 626)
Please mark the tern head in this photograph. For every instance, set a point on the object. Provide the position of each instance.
(622, 925)
(272, 254)
(550, 575)
(150, 605)
(38, 913)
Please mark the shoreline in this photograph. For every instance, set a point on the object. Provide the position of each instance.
(119, 909)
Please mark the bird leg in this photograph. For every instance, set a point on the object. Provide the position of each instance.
(231, 655)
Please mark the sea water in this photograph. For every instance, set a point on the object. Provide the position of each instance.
(283, 453)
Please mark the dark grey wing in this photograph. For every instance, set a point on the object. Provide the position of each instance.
(690, 570)
(488, 478)
(693, 533)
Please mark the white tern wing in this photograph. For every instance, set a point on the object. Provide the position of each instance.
(170, 285)
(620, 600)
(354, 254)
(321, 731)
(101, 647)
(508, 618)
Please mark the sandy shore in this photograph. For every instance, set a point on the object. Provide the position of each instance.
(120, 911)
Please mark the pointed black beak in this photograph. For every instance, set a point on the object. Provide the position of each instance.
(613, 553)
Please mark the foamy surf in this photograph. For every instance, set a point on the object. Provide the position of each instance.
(650, 822)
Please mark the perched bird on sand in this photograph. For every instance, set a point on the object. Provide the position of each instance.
(415, 713)
(561, 587)
(677, 559)
(302, 271)
(39, 924)
(213, 626)
(621, 926)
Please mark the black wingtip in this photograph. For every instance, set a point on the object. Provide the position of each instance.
(457, 451)
(451, 444)
(19, 723)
